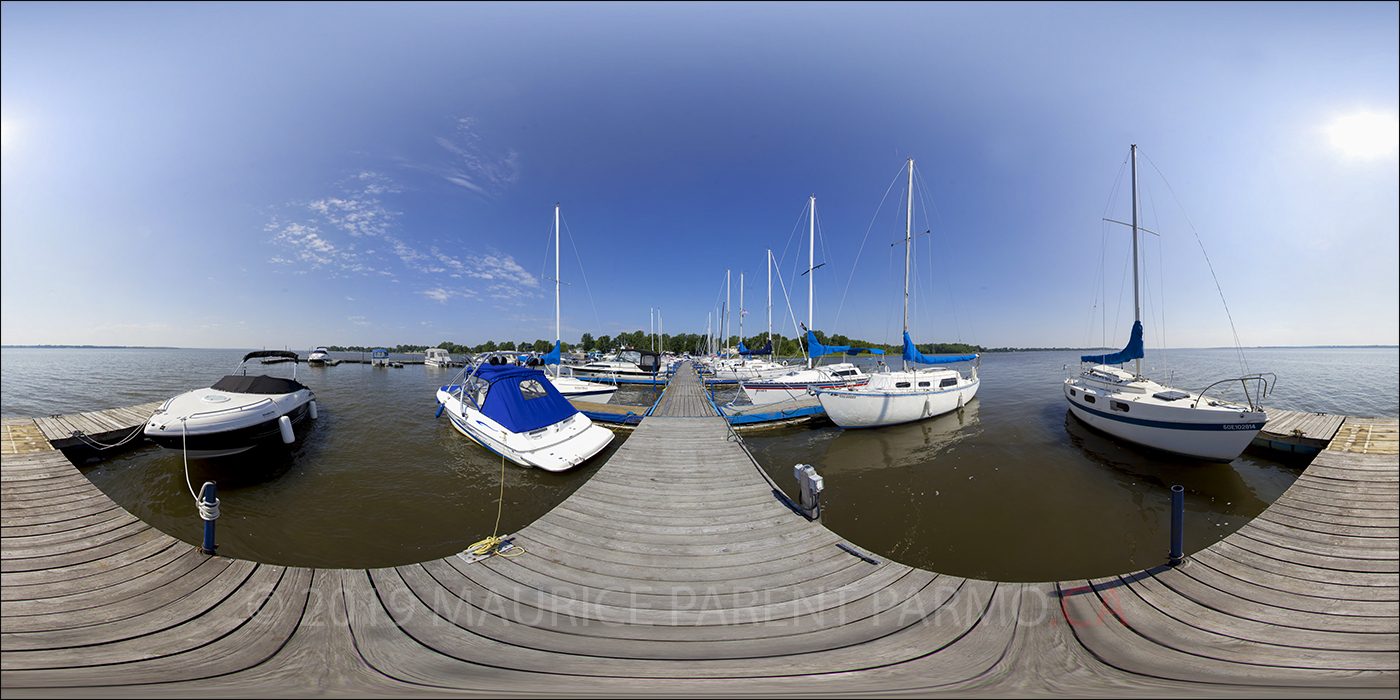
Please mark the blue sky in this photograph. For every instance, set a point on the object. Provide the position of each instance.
(253, 175)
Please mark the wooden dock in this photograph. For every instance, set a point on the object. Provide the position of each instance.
(678, 569)
(1297, 432)
(96, 429)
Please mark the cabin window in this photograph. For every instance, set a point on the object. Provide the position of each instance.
(950, 381)
(844, 373)
(1089, 398)
(1118, 406)
(531, 389)
(901, 385)
(1072, 392)
(925, 384)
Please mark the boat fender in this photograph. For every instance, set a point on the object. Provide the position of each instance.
(285, 424)
(313, 410)
(439, 411)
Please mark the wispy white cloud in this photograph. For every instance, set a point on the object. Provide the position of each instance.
(473, 167)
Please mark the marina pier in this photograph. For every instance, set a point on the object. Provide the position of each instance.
(680, 568)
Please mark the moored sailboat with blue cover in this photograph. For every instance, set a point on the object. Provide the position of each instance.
(1132, 407)
(907, 395)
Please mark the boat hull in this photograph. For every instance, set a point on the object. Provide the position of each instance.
(555, 448)
(796, 385)
(880, 403)
(228, 431)
(1212, 433)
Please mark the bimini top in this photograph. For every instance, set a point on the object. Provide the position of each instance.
(912, 354)
(522, 399)
(288, 354)
(1132, 352)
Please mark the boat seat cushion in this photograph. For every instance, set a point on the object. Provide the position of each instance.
(260, 384)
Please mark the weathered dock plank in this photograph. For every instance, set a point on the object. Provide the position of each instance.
(679, 568)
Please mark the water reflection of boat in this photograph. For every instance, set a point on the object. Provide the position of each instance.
(903, 445)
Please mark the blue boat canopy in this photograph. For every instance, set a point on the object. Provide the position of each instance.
(912, 354)
(1132, 352)
(522, 398)
(765, 350)
(816, 349)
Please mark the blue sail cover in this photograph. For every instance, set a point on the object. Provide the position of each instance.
(765, 350)
(912, 354)
(1132, 352)
(816, 349)
(553, 357)
(507, 405)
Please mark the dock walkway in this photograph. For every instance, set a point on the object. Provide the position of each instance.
(677, 570)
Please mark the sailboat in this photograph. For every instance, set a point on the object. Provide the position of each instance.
(797, 384)
(562, 377)
(1131, 407)
(907, 395)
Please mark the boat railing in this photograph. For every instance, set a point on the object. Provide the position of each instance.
(1259, 382)
(229, 409)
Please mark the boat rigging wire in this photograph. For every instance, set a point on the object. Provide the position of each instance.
(1238, 349)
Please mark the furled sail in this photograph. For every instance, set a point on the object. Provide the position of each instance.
(912, 354)
(765, 350)
(816, 349)
(1132, 352)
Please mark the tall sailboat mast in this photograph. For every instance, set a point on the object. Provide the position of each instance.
(557, 331)
(908, 248)
(1137, 295)
(811, 260)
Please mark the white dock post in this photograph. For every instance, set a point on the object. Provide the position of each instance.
(811, 485)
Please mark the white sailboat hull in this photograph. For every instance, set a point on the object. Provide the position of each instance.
(576, 389)
(1209, 430)
(896, 397)
(796, 385)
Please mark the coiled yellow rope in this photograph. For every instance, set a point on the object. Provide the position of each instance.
(496, 544)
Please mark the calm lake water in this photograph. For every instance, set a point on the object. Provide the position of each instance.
(1013, 488)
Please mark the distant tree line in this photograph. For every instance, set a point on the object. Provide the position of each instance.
(677, 343)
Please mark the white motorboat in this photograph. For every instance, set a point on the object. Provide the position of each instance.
(319, 356)
(627, 366)
(516, 412)
(907, 395)
(379, 357)
(437, 357)
(1131, 407)
(236, 414)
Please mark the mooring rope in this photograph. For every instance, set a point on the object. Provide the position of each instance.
(96, 444)
(496, 544)
(206, 511)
